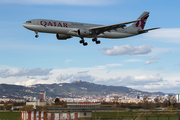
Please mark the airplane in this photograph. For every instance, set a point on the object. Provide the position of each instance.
(65, 30)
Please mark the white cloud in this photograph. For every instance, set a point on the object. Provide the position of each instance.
(5, 67)
(165, 35)
(82, 75)
(26, 83)
(86, 76)
(101, 67)
(158, 86)
(114, 65)
(64, 77)
(141, 79)
(151, 87)
(32, 77)
(137, 78)
(46, 78)
(43, 82)
(18, 72)
(63, 2)
(108, 66)
(133, 60)
(166, 87)
(150, 62)
(113, 80)
(128, 50)
(69, 60)
(130, 80)
(155, 57)
(146, 78)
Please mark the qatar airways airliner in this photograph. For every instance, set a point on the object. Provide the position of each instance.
(65, 30)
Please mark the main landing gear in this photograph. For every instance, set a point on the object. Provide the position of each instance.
(36, 34)
(95, 40)
(85, 43)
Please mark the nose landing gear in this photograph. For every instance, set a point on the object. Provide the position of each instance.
(36, 34)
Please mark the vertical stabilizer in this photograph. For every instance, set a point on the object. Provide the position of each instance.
(138, 26)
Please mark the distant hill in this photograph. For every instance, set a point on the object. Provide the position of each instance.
(75, 89)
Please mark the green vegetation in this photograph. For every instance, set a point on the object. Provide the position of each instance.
(6, 107)
(10, 115)
(137, 115)
(27, 108)
(126, 115)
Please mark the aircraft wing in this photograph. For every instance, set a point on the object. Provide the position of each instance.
(100, 29)
(145, 31)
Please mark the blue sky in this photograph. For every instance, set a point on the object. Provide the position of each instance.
(148, 62)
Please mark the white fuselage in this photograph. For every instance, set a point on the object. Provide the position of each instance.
(70, 28)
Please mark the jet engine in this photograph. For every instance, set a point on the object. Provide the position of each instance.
(84, 32)
(63, 36)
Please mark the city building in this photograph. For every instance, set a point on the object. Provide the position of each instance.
(38, 103)
(83, 105)
(178, 98)
(42, 96)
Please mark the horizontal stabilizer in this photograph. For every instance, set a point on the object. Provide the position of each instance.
(145, 31)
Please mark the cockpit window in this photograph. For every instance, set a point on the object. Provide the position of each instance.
(28, 21)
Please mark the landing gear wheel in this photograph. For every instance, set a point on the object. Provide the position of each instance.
(98, 42)
(36, 36)
(94, 39)
(85, 44)
(81, 41)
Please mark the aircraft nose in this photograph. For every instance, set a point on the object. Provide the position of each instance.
(24, 24)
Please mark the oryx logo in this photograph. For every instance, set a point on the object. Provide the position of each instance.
(142, 22)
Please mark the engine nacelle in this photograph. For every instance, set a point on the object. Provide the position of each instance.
(83, 32)
(62, 36)
(132, 30)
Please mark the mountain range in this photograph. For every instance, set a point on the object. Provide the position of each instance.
(74, 89)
